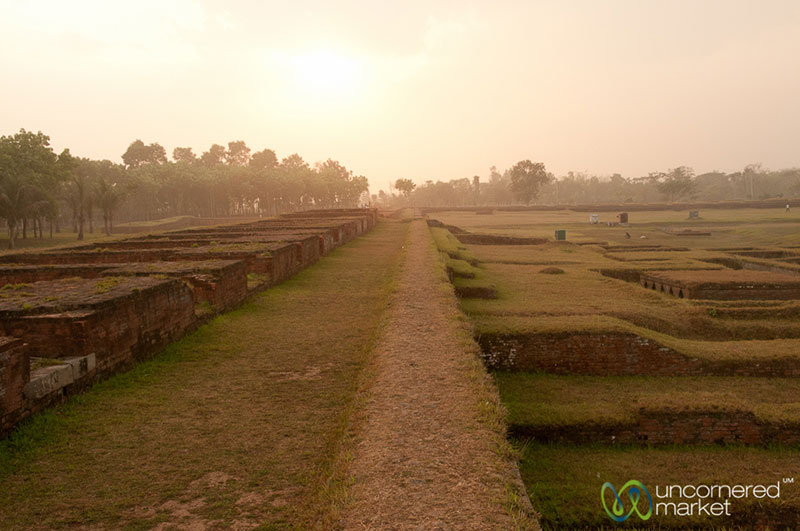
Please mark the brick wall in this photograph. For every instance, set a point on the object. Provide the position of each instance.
(733, 290)
(225, 289)
(14, 374)
(118, 331)
(670, 426)
(36, 273)
(94, 337)
(612, 354)
(221, 283)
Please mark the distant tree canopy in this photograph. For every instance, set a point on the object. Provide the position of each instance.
(138, 154)
(38, 186)
(535, 185)
(406, 186)
(264, 160)
(676, 183)
(31, 178)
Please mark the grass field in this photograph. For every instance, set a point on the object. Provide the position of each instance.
(561, 400)
(61, 239)
(448, 244)
(564, 481)
(145, 224)
(529, 300)
(584, 297)
(728, 227)
(598, 293)
(239, 422)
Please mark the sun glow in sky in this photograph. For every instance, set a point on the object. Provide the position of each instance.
(327, 73)
(426, 90)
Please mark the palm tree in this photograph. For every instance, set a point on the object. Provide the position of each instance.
(108, 197)
(13, 204)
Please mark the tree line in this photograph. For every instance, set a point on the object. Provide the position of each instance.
(44, 191)
(530, 183)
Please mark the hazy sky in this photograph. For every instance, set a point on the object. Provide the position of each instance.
(427, 90)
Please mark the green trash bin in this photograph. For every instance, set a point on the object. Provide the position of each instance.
(561, 235)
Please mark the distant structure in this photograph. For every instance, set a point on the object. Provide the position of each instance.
(594, 219)
(623, 218)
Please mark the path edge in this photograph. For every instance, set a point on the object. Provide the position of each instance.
(492, 412)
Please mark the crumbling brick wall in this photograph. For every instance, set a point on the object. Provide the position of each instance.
(92, 337)
(609, 353)
(614, 354)
(14, 374)
(664, 427)
(118, 331)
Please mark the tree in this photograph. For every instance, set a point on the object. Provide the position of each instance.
(108, 196)
(13, 204)
(184, 154)
(79, 172)
(214, 156)
(676, 183)
(751, 171)
(264, 160)
(526, 179)
(405, 185)
(35, 184)
(138, 154)
(238, 153)
(28, 176)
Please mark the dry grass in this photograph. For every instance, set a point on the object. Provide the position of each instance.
(528, 301)
(529, 297)
(729, 227)
(238, 423)
(557, 400)
(564, 481)
(432, 421)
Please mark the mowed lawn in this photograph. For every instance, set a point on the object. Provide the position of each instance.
(235, 426)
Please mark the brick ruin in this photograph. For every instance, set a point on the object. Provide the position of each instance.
(743, 284)
(612, 353)
(71, 316)
(621, 353)
(668, 426)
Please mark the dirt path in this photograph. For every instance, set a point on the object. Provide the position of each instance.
(422, 456)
